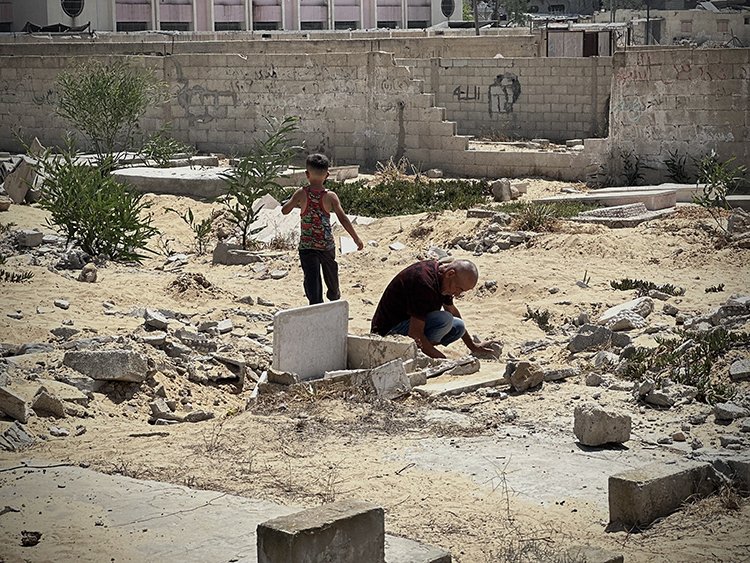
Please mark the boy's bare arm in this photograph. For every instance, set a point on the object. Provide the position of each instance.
(344, 220)
(294, 201)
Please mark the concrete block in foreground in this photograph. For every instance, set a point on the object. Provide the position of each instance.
(639, 496)
(346, 532)
(371, 350)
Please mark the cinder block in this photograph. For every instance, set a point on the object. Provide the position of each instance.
(371, 351)
(639, 496)
(345, 532)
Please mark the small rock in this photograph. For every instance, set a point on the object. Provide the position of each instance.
(198, 416)
(595, 426)
(156, 338)
(265, 302)
(47, 404)
(154, 319)
(29, 238)
(678, 437)
(247, 300)
(282, 377)
(670, 310)
(594, 380)
(696, 444)
(729, 411)
(553, 290)
(697, 419)
(225, 326)
(88, 273)
(604, 359)
(62, 304)
(58, 432)
(15, 315)
(396, 246)
(64, 332)
(665, 440)
(745, 426)
(559, 374)
(279, 274)
(434, 173)
(660, 295)
(728, 439)
(526, 375)
(501, 190)
(740, 370)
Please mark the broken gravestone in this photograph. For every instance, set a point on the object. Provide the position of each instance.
(109, 365)
(595, 426)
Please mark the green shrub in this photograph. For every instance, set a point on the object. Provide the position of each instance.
(201, 229)
(720, 179)
(643, 287)
(15, 277)
(256, 174)
(106, 102)
(540, 316)
(161, 147)
(677, 168)
(393, 196)
(102, 215)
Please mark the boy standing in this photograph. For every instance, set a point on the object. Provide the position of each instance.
(317, 248)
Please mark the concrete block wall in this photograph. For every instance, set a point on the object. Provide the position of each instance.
(356, 107)
(691, 101)
(554, 98)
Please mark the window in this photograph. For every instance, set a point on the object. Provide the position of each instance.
(722, 26)
(228, 26)
(311, 26)
(557, 9)
(747, 21)
(388, 24)
(448, 7)
(72, 7)
(265, 26)
(686, 26)
(6, 27)
(417, 24)
(344, 25)
(132, 26)
(175, 26)
(533, 9)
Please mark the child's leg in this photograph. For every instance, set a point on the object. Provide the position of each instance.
(310, 261)
(330, 273)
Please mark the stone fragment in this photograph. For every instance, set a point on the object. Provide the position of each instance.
(88, 273)
(344, 531)
(526, 375)
(58, 432)
(594, 380)
(18, 182)
(14, 405)
(29, 238)
(643, 306)
(225, 326)
(109, 365)
(603, 359)
(5, 203)
(740, 370)
(466, 366)
(501, 190)
(727, 440)
(278, 274)
(156, 338)
(595, 426)
(390, 380)
(560, 374)
(154, 319)
(160, 409)
(729, 411)
(62, 304)
(495, 352)
(282, 377)
(638, 497)
(198, 416)
(670, 394)
(15, 438)
(48, 404)
(234, 255)
(370, 351)
(679, 436)
(434, 173)
(596, 337)
(396, 246)
(64, 332)
(625, 320)
(670, 310)
(247, 300)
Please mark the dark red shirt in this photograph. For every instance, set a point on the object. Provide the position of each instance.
(414, 292)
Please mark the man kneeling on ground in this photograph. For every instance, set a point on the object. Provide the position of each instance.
(418, 302)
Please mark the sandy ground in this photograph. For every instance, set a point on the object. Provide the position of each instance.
(307, 450)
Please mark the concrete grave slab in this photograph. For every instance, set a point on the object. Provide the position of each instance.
(346, 531)
(347, 245)
(370, 351)
(181, 180)
(72, 499)
(311, 340)
(455, 385)
(653, 200)
(639, 496)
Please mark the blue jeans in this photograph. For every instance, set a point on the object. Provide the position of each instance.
(440, 327)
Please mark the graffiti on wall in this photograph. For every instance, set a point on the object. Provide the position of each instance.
(467, 94)
(503, 93)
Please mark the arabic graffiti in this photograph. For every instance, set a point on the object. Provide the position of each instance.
(468, 94)
(503, 93)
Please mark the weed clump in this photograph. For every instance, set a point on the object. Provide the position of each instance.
(540, 316)
(643, 287)
(689, 359)
(15, 277)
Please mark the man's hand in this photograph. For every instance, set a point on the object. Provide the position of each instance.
(489, 349)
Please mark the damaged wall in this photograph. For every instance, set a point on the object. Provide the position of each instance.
(691, 101)
(553, 98)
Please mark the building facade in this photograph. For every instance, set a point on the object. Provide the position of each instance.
(228, 15)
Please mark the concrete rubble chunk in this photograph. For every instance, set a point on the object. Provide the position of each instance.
(14, 405)
(371, 351)
(234, 255)
(596, 426)
(109, 365)
(591, 337)
(62, 304)
(154, 319)
(390, 380)
(729, 411)
(282, 377)
(18, 182)
(47, 404)
(5, 203)
(526, 375)
(156, 338)
(15, 438)
(345, 531)
(640, 496)
(467, 366)
(29, 238)
(670, 394)
(225, 326)
(501, 190)
(88, 273)
(740, 370)
(734, 466)
(560, 374)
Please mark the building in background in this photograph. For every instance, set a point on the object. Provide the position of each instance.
(228, 15)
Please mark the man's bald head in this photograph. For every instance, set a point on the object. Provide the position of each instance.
(459, 277)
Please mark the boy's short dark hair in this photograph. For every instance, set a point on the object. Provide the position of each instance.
(317, 161)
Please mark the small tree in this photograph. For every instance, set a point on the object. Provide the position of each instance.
(720, 179)
(255, 175)
(106, 102)
(99, 213)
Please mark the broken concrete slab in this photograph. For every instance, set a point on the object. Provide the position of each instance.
(640, 496)
(311, 340)
(370, 351)
(29, 238)
(15, 438)
(642, 306)
(446, 385)
(390, 380)
(740, 370)
(234, 255)
(652, 199)
(181, 180)
(18, 182)
(109, 365)
(622, 216)
(14, 405)
(48, 404)
(347, 530)
(596, 426)
(123, 504)
(734, 466)
(154, 319)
